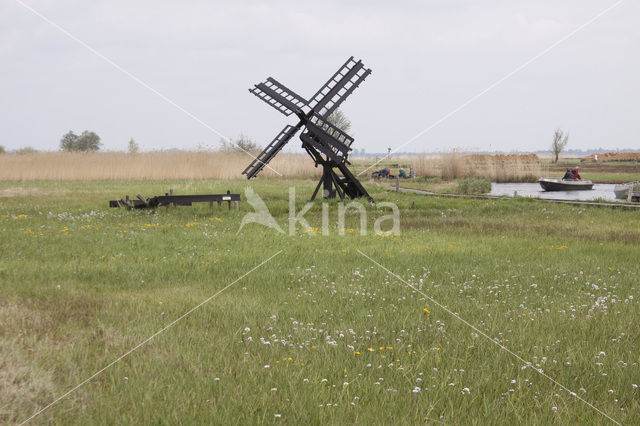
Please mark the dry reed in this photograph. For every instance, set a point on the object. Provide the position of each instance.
(146, 166)
(614, 156)
(498, 168)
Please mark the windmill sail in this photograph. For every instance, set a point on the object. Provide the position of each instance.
(331, 137)
(279, 96)
(270, 151)
(339, 87)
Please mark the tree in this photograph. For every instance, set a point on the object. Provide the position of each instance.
(241, 144)
(68, 141)
(340, 120)
(87, 141)
(560, 140)
(134, 148)
(2, 150)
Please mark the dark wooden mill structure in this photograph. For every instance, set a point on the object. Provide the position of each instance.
(327, 145)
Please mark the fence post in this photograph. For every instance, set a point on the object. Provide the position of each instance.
(397, 183)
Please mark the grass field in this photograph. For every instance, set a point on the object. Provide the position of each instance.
(319, 333)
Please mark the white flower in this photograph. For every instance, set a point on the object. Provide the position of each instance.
(277, 415)
(554, 408)
(416, 389)
(267, 366)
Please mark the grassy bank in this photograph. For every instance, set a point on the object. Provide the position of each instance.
(320, 333)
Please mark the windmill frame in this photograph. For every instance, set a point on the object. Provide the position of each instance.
(325, 143)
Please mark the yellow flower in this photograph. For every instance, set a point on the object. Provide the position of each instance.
(426, 310)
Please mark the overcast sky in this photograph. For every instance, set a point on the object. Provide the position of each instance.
(427, 58)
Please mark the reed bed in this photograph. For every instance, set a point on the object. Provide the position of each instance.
(74, 166)
(614, 156)
(498, 168)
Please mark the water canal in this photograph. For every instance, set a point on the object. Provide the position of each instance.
(602, 191)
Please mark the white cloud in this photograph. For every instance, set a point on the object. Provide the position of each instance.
(427, 58)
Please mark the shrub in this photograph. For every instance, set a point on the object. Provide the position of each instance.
(474, 186)
(133, 148)
(26, 150)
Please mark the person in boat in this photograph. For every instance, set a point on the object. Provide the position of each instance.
(575, 173)
(568, 175)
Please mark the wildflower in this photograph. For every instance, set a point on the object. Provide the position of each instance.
(416, 389)
(277, 415)
(554, 408)
(426, 310)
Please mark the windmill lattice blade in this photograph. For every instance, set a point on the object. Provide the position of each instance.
(279, 96)
(270, 151)
(321, 148)
(331, 137)
(339, 87)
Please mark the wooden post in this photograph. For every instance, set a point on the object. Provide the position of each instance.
(235, 204)
(630, 193)
(397, 183)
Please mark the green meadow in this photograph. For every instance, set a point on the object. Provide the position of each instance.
(478, 312)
